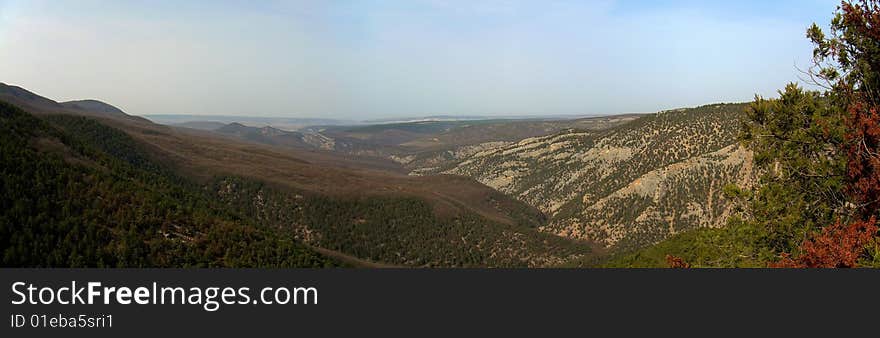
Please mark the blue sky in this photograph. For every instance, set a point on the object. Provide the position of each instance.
(375, 59)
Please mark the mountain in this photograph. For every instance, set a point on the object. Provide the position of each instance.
(511, 193)
(77, 193)
(108, 191)
(625, 187)
(285, 123)
(362, 209)
(200, 125)
(93, 106)
(23, 97)
(40, 105)
(275, 136)
(418, 144)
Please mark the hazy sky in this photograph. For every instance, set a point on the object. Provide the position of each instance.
(371, 59)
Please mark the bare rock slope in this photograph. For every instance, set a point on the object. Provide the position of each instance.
(625, 187)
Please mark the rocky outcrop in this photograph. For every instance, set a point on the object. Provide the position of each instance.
(629, 186)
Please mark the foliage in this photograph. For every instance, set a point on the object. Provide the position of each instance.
(818, 194)
(817, 153)
(795, 140)
(734, 245)
(76, 193)
(838, 246)
(80, 193)
(849, 62)
(628, 186)
(676, 262)
(394, 229)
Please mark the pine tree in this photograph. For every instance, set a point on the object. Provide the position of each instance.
(848, 63)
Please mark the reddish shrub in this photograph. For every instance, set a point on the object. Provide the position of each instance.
(856, 47)
(838, 246)
(676, 262)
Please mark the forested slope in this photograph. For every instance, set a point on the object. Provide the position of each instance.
(76, 193)
(80, 191)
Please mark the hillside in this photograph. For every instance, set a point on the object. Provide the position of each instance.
(93, 106)
(421, 144)
(76, 193)
(478, 193)
(200, 125)
(361, 209)
(267, 135)
(37, 104)
(142, 194)
(286, 123)
(625, 187)
(411, 145)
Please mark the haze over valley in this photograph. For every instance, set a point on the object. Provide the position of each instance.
(439, 134)
(470, 192)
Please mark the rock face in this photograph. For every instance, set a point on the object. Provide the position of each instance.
(628, 186)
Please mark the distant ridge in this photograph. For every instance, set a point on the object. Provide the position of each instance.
(284, 123)
(201, 125)
(41, 105)
(21, 96)
(266, 135)
(94, 106)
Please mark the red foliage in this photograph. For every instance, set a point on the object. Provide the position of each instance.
(838, 246)
(841, 245)
(862, 16)
(862, 21)
(676, 262)
(863, 164)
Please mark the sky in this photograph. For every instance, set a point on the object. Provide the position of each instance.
(386, 59)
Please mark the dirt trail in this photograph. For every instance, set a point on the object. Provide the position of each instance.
(354, 261)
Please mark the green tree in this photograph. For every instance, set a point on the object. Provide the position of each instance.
(847, 63)
(796, 141)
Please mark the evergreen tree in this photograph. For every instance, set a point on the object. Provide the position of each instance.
(848, 63)
(796, 142)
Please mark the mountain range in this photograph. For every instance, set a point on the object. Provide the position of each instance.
(38, 104)
(457, 193)
(625, 187)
